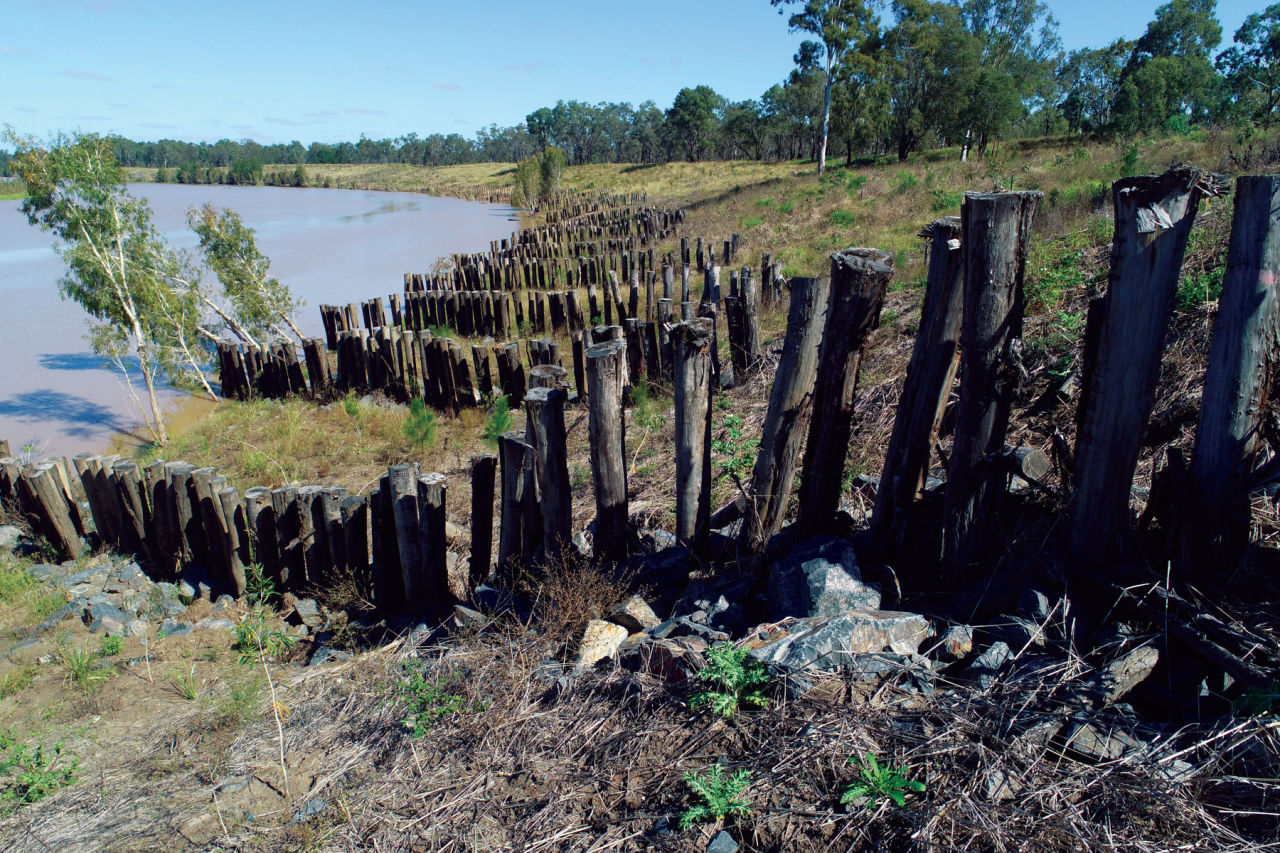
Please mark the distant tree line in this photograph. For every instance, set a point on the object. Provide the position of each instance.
(923, 73)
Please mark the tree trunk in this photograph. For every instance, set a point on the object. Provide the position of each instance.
(692, 344)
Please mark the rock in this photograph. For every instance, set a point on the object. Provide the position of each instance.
(224, 601)
(299, 631)
(956, 643)
(308, 611)
(1018, 633)
(986, 667)
(86, 583)
(1127, 672)
(234, 784)
(834, 643)
(46, 572)
(634, 614)
(665, 659)
(599, 641)
(820, 578)
(1034, 605)
(1001, 787)
(326, 654)
(308, 810)
(136, 628)
(128, 571)
(581, 545)
(465, 617)
(102, 616)
(216, 625)
(722, 843)
(186, 591)
(174, 628)
(9, 536)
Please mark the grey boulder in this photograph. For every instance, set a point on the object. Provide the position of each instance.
(840, 642)
(820, 578)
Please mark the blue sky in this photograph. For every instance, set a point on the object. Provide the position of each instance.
(320, 70)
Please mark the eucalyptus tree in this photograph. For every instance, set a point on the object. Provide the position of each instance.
(839, 25)
(1169, 75)
(118, 267)
(1251, 66)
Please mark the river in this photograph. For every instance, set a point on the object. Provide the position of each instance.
(329, 246)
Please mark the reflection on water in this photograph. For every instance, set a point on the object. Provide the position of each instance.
(381, 211)
(328, 245)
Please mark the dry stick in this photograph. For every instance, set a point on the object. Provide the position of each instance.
(925, 391)
(787, 419)
(692, 342)
(1243, 357)
(859, 278)
(1153, 218)
(607, 429)
(997, 229)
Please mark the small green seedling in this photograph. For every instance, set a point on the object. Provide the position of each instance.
(429, 701)
(33, 773)
(499, 420)
(82, 670)
(721, 795)
(420, 425)
(735, 682)
(111, 646)
(878, 783)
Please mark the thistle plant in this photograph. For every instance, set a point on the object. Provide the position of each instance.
(735, 682)
(878, 783)
(720, 795)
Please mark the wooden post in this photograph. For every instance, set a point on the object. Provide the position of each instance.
(435, 587)
(1243, 357)
(133, 499)
(927, 387)
(236, 537)
(997, 229)
(483, 472)
(545, 411)
(384, 548)
(403, 481)
(44, 493)
(260, 520)
(513, 452)
(859, 278)
(355, 541)
(787, 419)
(1153, 218)
(607, 430)
(692, 343)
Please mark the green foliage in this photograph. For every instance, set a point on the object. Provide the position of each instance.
(420, 425)
(260, 590)
(499, 420)
(944, 200)
(243, 697)
(735, 682)
(878, 783)
(1054, 269)
(644, 409)
(351, 406)
(736, 452)
(537, 178)
(904, 181)
(111, 646)
(842, 218)
(749, 222)
(257, 642)
(258, 299)
(1199, 289)
(1251, 67)
(184, 683)
(31, 774)
(429, 700)
(82, 670)
(16, 682)
(719, 795)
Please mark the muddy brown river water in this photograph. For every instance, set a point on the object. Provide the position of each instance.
(328, 245)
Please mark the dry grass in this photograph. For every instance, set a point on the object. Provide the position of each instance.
(523, 762)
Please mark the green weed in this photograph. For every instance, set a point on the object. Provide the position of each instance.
(878, 783)
(842, 219)
(944, 200)
(15, 682)
(111, 646)
(749, 222)
(736, 451)
(720, 795)
(185, 683)
(734, 681)
(33, 773)
(82, 670)
(429, 700)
